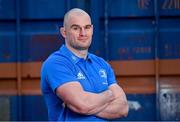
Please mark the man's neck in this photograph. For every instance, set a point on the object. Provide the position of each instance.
(79, 53)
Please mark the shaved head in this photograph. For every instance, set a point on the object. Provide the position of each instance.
(74, 12)
(77, 30)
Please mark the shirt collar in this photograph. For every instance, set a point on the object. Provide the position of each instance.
(69, 54)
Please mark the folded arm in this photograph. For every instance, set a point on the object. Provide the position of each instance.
(81, 101)
(118, 107)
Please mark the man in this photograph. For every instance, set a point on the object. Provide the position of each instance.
(77, 85)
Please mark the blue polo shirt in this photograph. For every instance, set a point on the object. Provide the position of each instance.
(94, 74)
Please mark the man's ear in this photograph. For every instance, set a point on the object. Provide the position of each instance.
(92, 29)
(63, 32)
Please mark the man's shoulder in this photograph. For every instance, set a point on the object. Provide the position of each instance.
(96, 58)
(56, 58)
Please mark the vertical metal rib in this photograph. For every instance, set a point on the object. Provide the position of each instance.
(156, 14)
(106, 33)
(18, 54)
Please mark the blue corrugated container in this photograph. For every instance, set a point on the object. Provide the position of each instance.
(139, 38)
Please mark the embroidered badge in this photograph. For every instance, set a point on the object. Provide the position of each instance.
(102, 73)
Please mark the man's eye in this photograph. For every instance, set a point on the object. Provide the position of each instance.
(75, 28)
(88, 27)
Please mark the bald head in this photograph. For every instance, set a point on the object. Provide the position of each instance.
(74, 12)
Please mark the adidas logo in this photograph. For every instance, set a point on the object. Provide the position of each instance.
(80, 76)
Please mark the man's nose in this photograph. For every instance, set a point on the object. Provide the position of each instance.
(82, 32)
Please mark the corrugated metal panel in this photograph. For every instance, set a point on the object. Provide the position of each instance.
(142, 107)
(5, 108)
(140, 39)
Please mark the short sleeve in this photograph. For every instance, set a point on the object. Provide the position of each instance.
(110, 75)
(58, 73)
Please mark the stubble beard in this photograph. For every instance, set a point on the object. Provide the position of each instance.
(79, 47)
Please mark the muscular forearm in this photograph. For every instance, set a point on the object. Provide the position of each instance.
(117, 108)
(82, 101)
(92, 103)
(98, 102)
(93, 111)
